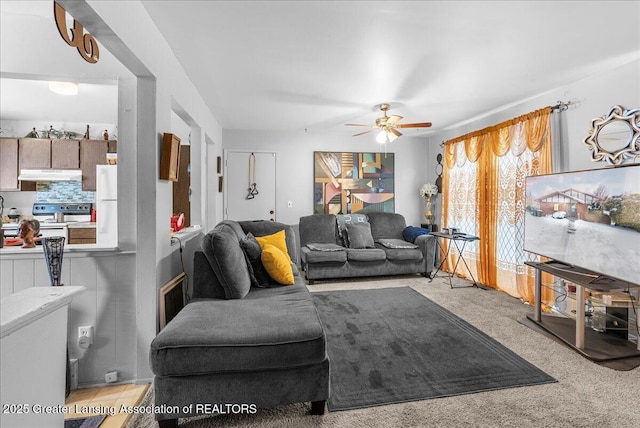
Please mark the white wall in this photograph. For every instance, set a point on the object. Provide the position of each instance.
(294, 181)
(618, 83)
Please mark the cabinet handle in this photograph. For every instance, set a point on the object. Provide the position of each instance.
(271, 212)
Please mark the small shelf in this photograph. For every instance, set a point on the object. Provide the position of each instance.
(598, 346)
(185, 234)
(608, 312)
(595, 315)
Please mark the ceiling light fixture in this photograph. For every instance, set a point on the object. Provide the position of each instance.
(386, 137)
(64, 88)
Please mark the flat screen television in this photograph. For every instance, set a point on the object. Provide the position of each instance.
(588, 219)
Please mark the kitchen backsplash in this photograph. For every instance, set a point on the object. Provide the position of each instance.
(62, 191)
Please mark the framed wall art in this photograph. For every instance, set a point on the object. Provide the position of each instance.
(170, 157)
(173, 297)
(351, 182)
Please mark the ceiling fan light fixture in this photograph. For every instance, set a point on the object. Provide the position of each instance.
(64, 88)
(386, 137)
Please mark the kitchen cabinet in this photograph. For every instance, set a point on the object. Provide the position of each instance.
(65, 154)
(82, 235)
(182, 187)
(34, 153)
(9, 164)
(92, 153)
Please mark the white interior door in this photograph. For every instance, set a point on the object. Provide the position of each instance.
(262, 206)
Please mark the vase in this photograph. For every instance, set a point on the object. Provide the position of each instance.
(53, 247)
(428, 209)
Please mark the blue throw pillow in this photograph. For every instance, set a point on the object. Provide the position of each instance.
(410, 233)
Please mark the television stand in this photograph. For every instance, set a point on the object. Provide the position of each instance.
(611, 341)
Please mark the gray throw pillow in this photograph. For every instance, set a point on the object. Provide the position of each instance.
(396, 243)
(343, 219)
(360, 235)
(252, 252)
(324, 247)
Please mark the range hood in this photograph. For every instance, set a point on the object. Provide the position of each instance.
(50, 175)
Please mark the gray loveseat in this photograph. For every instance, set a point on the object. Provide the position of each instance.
(235, 343)
(329, 250)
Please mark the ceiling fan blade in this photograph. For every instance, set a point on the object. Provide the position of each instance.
(362, 133)
(392, 120)
(414, 125)
(395, 131)
(354, 124)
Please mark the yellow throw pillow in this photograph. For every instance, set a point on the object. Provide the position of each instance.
(277, 265)
(278, 240)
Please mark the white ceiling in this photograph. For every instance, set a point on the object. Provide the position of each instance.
(31, 99)
(280, 65)
(319, 64)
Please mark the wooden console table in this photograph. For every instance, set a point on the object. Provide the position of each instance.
(595, 345)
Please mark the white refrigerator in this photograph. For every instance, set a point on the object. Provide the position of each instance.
(107, 205)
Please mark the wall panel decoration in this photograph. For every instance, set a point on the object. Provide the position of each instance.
(350, 182)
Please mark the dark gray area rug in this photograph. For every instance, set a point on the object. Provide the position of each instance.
(394, 345)
(88, 422)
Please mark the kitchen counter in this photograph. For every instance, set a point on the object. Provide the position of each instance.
(78, 224)
(70, 250)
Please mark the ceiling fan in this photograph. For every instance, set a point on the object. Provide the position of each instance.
(388, 126)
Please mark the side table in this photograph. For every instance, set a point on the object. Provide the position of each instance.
(456, 239)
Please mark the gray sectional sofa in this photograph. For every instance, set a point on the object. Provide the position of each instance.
(235, 343)
(373, 246)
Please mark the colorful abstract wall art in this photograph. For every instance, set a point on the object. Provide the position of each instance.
(349, 182)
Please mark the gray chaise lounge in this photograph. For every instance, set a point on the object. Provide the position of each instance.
(325, 255)
(265, 349)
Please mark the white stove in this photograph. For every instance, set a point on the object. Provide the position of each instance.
(48, 215)
(45, 213)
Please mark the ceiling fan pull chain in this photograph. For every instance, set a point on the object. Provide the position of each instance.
(253, 187)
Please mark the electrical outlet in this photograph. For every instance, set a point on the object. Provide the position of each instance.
(87, 332)
(111, 377)
(85, 336)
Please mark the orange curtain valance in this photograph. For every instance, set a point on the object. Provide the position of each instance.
(497, 137)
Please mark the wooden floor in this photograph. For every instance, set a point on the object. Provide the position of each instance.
(90, 401)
